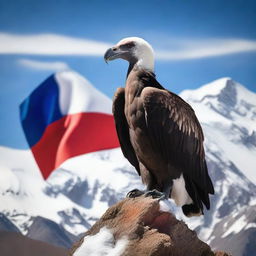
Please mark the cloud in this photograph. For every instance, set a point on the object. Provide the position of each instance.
(182, 49)
(43, 65)
(205, 48)
(50, 44)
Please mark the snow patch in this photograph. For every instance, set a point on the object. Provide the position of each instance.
(166, 206)
(250, 225)
(102, 244)
(239, 225)
(9, 182)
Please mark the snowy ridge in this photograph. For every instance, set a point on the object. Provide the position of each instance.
(211, 89)
(214, 89)
(227, 111)
(224, 101)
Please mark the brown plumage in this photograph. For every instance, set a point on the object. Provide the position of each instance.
(159, 133)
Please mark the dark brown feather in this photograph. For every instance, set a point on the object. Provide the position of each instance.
(175, 131)
(123, 129)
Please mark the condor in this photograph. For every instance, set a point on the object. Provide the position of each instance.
(159, 132)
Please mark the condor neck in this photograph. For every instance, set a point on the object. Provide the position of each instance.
(141, 64)
(130, 68)
(133, 87)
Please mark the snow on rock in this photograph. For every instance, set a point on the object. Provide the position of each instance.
(167, 205)
(102, 244)
(236, 227)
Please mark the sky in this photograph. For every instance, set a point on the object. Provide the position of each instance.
(195, 42)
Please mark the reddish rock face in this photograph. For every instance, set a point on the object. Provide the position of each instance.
(222, 254)
(149, 231)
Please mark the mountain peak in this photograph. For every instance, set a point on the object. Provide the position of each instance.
(212, 89)
(227, 92)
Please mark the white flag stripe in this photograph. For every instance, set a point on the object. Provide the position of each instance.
(78, 95)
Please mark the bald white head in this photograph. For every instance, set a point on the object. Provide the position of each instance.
(135, 50)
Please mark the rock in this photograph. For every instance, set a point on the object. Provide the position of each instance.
(137, 226)
(219, 253)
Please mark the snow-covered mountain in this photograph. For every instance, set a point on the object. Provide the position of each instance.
(227, 112)
(79, 192)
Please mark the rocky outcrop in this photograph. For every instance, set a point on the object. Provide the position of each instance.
(141, 226)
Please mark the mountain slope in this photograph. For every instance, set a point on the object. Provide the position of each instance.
(227, 112)
(7, 225)
(15, 244)
(47, 230)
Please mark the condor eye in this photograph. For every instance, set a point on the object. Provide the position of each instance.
(130, 45)
(127, 45)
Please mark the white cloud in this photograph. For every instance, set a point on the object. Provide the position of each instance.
(197, 49)
(53, 44)
(50, 44)
(43, 65)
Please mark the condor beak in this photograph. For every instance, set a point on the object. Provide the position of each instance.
(112, 54)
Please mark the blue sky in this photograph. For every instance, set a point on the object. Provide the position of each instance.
(196, 41)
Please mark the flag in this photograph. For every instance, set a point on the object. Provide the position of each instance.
(66, 116)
